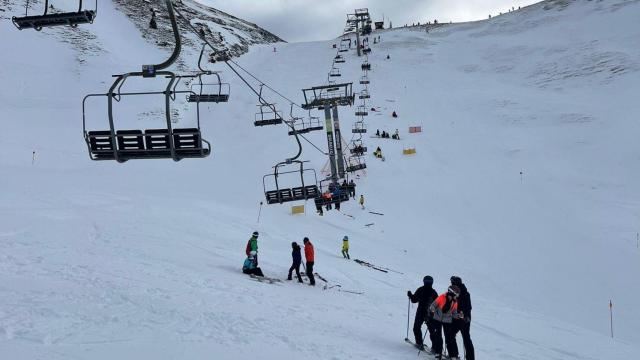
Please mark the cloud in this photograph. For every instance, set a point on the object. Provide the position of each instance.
(309, 20)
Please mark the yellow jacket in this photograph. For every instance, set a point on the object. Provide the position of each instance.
(345, 245)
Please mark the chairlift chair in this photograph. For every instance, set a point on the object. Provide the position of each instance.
(303, 126)
(280, 195)
(335, 72)
(73, 18)
(357, 148)
(339, 59)
(366, 66)
(207, 91)
(364, 80)
(355, 164)
(361, 110)
(268, 115)
(159, 143)
(359, 127)
(162, 143)
(364, 94)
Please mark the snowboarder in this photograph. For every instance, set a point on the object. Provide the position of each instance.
(394, 114)
(396, 135)
(388, 57)
(378, 153)
(361, 202)
(424, 296)
(463, 324)
(252, 245)
(297, 260)
(345, 248)
(378, 132)
(443, 310)
(250, 266)
(309, 256)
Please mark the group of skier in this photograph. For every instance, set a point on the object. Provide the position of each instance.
(449, 312)
(250, 266)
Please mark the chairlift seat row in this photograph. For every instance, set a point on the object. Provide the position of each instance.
(210, 98)
(294, 194)
(152, 144)
(359, 131)
(362, 113)
(358, 150)
(38, 22)
(267, 122)
(357, 167)
(306, 130)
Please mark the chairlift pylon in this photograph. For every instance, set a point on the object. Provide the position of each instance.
(72, 18)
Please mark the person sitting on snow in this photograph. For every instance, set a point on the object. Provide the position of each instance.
(396, 136)
(249, 267)
(395, 115)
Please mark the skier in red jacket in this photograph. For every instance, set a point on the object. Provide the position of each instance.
(310, 257)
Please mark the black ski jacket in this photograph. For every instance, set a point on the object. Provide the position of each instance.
(424, 296)
(464, 302)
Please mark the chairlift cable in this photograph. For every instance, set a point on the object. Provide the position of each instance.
(193, 29)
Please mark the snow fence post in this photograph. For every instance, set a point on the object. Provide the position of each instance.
(611, 316)
(259, 212)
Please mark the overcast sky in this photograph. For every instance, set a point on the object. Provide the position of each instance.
(308, 20)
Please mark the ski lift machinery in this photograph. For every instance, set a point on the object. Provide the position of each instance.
(165, 143)
(72, 18)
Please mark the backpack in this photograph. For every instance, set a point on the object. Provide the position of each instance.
(248, 250)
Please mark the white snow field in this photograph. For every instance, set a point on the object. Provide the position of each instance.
(142, 260)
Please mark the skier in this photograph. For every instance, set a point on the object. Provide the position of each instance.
(378, 153)
(250, 266)
(464, 323)
(309, 256)
(361, 202)
(443, 310)
(297, 260)
(345, 247)
(378, 133)
(252, 245)
(424, 296)
(352, 186)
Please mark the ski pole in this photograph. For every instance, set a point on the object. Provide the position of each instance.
(408, 314)
(423, 338)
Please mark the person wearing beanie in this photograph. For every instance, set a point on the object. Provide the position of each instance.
(463, 323)
(443, 310)
(424, 296)
(252, 245)
(297, 260)
(310, 257)
(345, 247)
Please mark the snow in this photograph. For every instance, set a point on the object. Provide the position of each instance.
(142, 259)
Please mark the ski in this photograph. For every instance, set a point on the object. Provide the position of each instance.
(364, 263)
(425, 351)
(265, 279)
(375, 213)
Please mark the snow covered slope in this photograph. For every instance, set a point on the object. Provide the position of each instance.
(141, 260)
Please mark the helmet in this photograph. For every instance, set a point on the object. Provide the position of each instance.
(454, 290)
(345, 237)
(252, 254)
(427, 280)
(455, 280)
(255, 233)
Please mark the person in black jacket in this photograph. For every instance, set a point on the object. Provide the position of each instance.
(463, 324)
(424, 296)
(297, 260)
